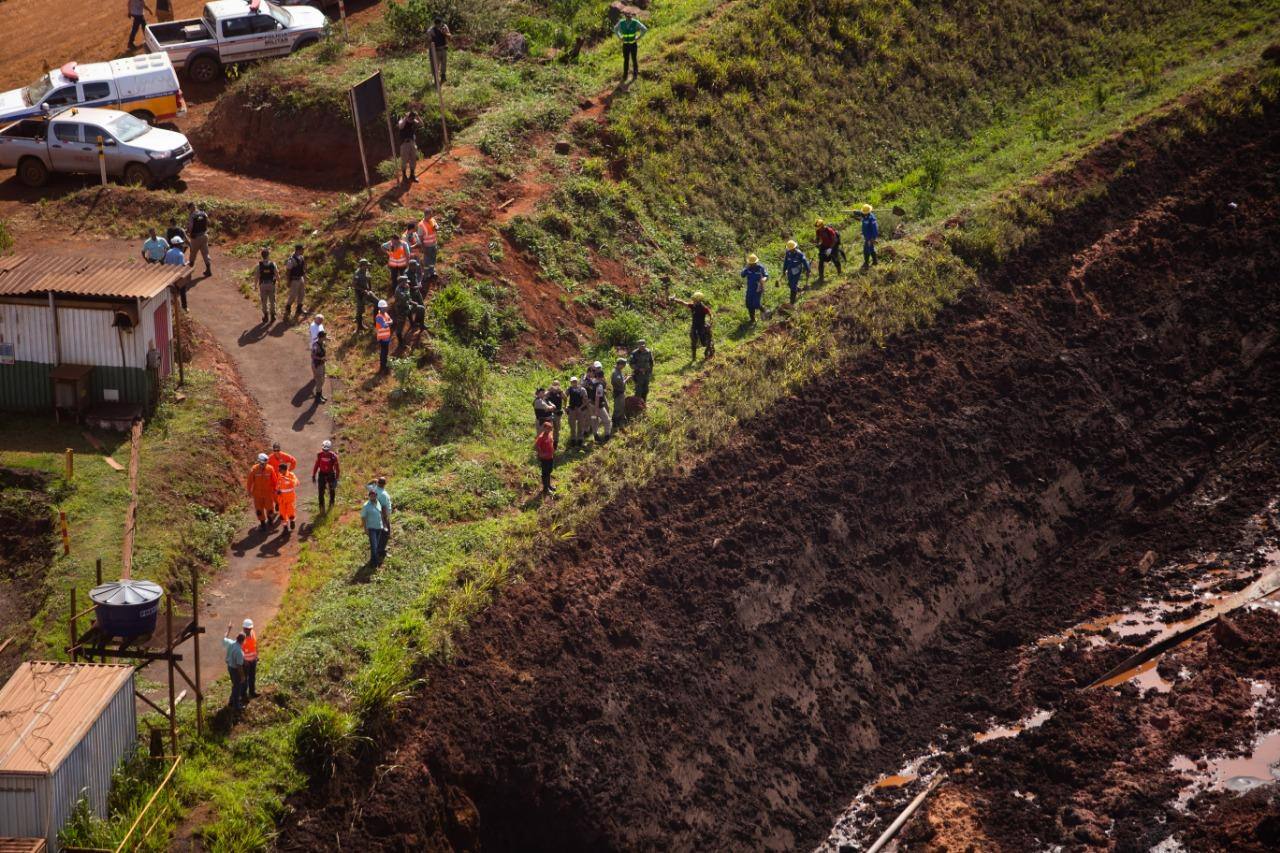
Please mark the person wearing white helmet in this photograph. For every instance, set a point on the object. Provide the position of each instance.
(382, 332)
(261, 485)
(598, 403)
(328, 469)
(250, 649)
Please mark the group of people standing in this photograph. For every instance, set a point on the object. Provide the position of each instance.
(179, 246)
(587, 403)
(242, 664)
(411, 267)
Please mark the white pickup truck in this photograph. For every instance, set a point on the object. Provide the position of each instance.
(68, 142)
(232, 31)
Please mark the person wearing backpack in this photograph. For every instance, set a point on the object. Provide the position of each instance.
(829, 250)
(577, 412)
(870, 234)
(266, 277)
(598, 398)
(295, 267)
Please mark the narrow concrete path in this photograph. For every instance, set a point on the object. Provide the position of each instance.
(275, 365)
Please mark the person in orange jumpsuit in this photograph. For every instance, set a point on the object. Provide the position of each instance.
(287, 495)
(277, 458)
(262, 484)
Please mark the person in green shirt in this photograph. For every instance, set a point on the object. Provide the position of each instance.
(630, 31)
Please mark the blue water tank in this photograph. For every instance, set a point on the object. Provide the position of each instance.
(127, 608)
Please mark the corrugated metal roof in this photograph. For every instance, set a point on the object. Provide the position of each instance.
(46, 708)
(22, 845)
(78, 276)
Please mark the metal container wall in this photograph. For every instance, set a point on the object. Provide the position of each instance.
(38, 805)
(30, 329)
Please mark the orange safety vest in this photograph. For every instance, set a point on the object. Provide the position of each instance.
(262, 482)
(279, 457)
(250, 648)
(398, 256)
(427, 231)
(383, 326)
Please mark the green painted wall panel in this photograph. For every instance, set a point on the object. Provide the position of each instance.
(25, 386)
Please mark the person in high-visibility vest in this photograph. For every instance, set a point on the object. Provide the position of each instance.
(382, 330)
(287, 495)
(629, 31)
(428, 240)
(397, 258)
(277, 458)
(250, 649)
(261, 484)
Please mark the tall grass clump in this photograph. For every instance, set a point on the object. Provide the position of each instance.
(464, 387)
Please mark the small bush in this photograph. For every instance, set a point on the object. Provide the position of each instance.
(463, 314)
(6, 239)
(330, 48)
(464, 376)
(409, 387)
(322, 736)
(622, 329)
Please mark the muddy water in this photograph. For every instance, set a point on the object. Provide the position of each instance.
(1241, 773)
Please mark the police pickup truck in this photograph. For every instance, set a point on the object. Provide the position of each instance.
(232, 31)
(68, 142)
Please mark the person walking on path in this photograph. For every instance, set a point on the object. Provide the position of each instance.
(361, 292)
(384, 500)
(555, 396)
(543, 411)
(382, 331)
(794, 265)
(250, 649)
(295, 269)
(699, 326)
(278, 457)
(198, 235)
(439, 36)
(577, 412)
(319, 354)
(641, 361)
(397, 259)
(618, 383)
(138, 15)
(829, 250)
(371, 515)
(235, 667)
(545, 448)
(262, 483)
(328, 469)
(287, 496)
(427, 233)
(408, 127)
(154, 248)
(756, 275)
(870, 235)
(629, 31)
(266, 275)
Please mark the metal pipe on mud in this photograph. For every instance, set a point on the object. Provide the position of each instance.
(900, 820)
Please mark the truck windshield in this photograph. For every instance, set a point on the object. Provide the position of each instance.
(37, 90)
(279, 14)
(126, 128)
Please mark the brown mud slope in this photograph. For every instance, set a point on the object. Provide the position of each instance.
(1112, 770)
(26, 552)
(737, 649)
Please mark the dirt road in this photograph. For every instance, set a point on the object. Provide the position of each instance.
(739, 648)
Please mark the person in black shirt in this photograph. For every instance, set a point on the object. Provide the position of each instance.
(198, 236)
(439, 36)
(409, 124)
(175, 230)
(700, 326)
(296, 267)
(578, 416)
(318, 356)
(266, 276)
(555, 396)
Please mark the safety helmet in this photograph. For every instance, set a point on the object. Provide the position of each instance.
(572, 379)
(698, 296)
(792, 244)
(177, 240)
(326, 444)
(641, 343)
(262, 457)
(866, 208)
(382, 303)
(364, 262)
(752, 259)
(818, 223)
(597, 365)
(320, 317)
(248, 623)
(620, 360)
(413, 262)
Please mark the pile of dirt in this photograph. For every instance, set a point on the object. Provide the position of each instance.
(26, 553)
(738, 648)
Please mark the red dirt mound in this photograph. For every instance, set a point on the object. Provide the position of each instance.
(737, 649)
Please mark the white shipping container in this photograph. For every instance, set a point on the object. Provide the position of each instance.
(64, 728)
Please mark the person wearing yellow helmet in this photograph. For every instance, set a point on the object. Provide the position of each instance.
(794, 265)
(756, 275)
(829, 251)
(870, 235)
(700, 325)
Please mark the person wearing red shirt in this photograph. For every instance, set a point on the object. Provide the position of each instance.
(545, 447)
(328, 470)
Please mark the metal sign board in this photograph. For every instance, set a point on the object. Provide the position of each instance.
(8, 354)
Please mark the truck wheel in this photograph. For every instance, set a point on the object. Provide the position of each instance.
(33, 172)
(137, 175)
(204, 69)
(145, 115)
(306, 42)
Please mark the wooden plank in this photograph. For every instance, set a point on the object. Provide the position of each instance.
(97, 445)
(131, 513)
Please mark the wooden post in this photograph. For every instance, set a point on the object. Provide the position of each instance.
(168, 646)
(195, 626)
(72, 625)
(97, 571)
(342, 13)
(71, 464)
(177, 334)
(435, 69)
(102, 161)
(66, 537)
(355, 116)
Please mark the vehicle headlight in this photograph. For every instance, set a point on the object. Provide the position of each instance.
(159, 155)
